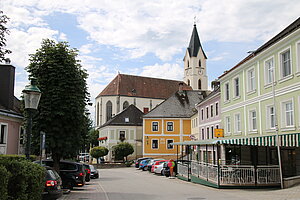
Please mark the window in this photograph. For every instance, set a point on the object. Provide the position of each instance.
(251, 80)
(146, 110)
(199, 84)
(125, 105)
(169, 146)
(122, 136)
(253, 120)
(285, 64)
(108, 110)
(269, 71)
(271, 117)
(22, 135)
(189, 82)
(199, 63)
(217, 108)
(211, 111)
(207, 113)
(3, 133)
(236, 87)
(212, 132)
(203, 133)
(237, 122)
(288, 113)
(207, 132)
(202, 114)
(226, 91)
(154, 126)
(155, 144)
(169, 126)
(227, 121)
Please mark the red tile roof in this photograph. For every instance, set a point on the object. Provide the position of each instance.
(129, 85)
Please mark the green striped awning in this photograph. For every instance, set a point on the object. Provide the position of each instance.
(286, 140)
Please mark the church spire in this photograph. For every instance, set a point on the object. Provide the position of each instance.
(195, 44)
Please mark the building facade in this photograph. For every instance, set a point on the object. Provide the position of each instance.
(11, 118)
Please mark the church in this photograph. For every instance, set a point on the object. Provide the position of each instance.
(146, 92)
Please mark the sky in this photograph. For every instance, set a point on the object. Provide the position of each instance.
(142, 37)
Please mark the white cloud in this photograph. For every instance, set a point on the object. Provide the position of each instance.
(166, 71)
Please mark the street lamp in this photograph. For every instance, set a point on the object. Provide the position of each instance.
(32, 95)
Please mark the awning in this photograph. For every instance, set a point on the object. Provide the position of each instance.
(285, 140)
(102, 138)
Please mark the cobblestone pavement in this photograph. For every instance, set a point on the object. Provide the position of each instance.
(133, 184)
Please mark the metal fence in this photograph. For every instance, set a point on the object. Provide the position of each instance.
(231, 174)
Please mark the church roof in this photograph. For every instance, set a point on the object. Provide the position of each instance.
(138, 86)
(131, 116)
(195, 44)
(179, 105)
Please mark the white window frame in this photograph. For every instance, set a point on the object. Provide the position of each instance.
(157, 126)
(237, 123)
(227, 125)
(211, 112)
(167, 146)
(120, 134)
(207, 112)
(269, 117)
(217, 108)
(251, 124)
(168, 126)
(283, 114)
(250, 88)
(269, 71)
(235, 89)
(5, 133)
(298, 56)
(157, 143)
(207, 132)
(281, 64)
(226, 92)
(202, 114)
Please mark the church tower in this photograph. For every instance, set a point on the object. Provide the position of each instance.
(195, 64)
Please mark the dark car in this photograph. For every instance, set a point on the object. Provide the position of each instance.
(137, 162)
(71, 173)
(53, 185)
(87, 172)
(94, 172)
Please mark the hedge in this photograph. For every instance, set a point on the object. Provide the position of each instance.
(4, 177)
(26, 179)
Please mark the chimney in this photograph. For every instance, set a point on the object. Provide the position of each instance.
(7, 81)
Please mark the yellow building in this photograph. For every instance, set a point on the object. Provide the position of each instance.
(170, 122)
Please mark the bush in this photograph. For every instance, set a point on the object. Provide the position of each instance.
(16, 157)
(4, 177)
(26, 180)
(123, 150)
(98, 152)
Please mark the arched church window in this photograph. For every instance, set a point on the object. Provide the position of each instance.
(108, 110)
(199, 84)
(199, 63)
(189, 83)
(125, 105)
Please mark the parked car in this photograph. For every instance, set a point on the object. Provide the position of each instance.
(152, 162)
(87, 172)
(156, 163)
(53, 185)
(137, 162)
(94, 172)
(143, 164)
(71, 173)
(158, 168)
(84, 157)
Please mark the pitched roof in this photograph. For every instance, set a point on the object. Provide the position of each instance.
(285, 32)
(138, 86)
(195, 44)
(131, 113)
(178, 105)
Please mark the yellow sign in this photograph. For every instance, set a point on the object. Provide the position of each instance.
(219, 132)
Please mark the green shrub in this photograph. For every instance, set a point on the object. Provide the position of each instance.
(26, 180)
(16, 157)
(4, 177)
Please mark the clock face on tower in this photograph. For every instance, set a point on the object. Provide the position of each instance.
(200, 71)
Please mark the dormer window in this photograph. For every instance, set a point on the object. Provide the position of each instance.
(126, 119)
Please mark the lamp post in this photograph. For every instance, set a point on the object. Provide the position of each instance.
(32, 95)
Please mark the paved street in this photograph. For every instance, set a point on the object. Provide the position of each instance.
(132, 184)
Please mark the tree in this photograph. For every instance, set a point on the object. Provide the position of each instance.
(3, 31)
(93, 137)
(122, 150)
(98, 152)
(62, 82)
